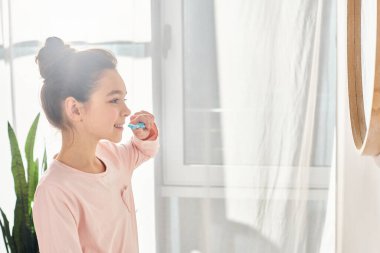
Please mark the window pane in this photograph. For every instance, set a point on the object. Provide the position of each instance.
(6, 178)
(271, 93)
(201, 100)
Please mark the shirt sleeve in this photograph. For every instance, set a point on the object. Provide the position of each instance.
(142, 150)
(55, 225)
(139, 151)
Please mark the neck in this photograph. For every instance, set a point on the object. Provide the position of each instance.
(78, 152)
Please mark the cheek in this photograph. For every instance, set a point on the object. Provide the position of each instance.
(109, 116)
(100, 116)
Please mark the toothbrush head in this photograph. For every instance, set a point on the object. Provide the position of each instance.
(138, 125)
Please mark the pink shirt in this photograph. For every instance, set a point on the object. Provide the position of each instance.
(75, 211)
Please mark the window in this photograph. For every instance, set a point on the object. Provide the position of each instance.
(197, 108)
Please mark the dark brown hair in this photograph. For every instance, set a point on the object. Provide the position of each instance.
(68, 73)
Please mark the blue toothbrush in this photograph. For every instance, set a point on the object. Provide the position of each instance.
(138, 125)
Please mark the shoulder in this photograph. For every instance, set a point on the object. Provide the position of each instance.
(56, 181)
(53, 179)
(48, 193)
(54, 189)
(52, 201)
(51, 176)
(55, 175)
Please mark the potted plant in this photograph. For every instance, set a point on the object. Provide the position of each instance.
(23, 237)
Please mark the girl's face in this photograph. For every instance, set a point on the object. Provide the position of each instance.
(106, 111)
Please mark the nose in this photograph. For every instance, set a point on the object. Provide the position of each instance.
(126, 112)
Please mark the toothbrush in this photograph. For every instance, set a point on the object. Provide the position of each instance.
(138, 125)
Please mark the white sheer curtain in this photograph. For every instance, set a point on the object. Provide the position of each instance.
(258, 110)
(276, 69)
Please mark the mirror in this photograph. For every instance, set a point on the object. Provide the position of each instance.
(368, 41)
(363, 61)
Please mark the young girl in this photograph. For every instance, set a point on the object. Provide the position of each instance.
(84, 201)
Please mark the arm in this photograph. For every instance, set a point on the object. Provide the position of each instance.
(54, 223)
(144, 143)
(140, 151)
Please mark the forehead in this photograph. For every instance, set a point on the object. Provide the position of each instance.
(109, 80)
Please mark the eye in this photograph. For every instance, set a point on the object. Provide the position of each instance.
(117, 100)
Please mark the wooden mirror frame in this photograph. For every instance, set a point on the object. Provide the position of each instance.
(367, 139)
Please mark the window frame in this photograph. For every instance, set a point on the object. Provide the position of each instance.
(174, 171)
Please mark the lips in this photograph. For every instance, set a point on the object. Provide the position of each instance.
(119, 125)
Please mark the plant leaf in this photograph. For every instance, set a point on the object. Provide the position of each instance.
(8, 240)
(32, 166)
(44, 160)
(33, 242)
(30, 139)
(5, 232)
(21, 189)
(20, 231)
(32, 185)
(18, 170)
(23, 238)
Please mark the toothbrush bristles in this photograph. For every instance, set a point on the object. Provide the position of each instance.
(135, 126)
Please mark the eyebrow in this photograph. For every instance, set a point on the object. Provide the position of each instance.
(118, 92)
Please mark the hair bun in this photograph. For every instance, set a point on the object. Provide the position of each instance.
(54, 43)
(52, 57)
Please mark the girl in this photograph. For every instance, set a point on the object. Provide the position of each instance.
(84, 201)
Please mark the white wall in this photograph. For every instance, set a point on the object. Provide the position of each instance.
(358, 177)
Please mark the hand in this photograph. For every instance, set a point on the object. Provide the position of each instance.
(150, 132)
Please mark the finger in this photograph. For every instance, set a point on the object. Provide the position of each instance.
(137, 118)
(145, 119)
(141, 133)
(143, 113)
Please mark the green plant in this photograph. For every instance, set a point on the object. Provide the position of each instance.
(23, 238)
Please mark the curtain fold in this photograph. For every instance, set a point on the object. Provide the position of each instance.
(275, 81)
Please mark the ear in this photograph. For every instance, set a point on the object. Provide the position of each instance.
(73, 109)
